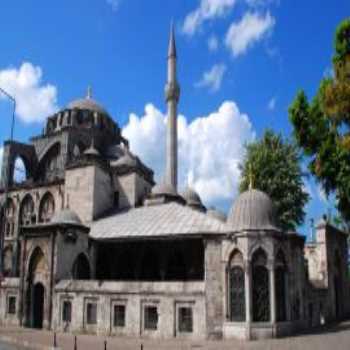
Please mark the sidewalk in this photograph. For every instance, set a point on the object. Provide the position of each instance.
(335, 338)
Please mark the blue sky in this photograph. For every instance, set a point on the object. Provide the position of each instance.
(252, 54)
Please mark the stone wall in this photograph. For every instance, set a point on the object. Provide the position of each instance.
(9, 288)
(214, 285)
(166, 296)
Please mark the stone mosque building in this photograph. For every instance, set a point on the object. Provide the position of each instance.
(91, 244)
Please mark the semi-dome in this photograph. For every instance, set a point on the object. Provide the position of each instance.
(253, 210)
(66, 216)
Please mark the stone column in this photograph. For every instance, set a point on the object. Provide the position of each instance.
(272, 292)
(248, 291)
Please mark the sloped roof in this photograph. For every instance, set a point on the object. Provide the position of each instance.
(171, 219)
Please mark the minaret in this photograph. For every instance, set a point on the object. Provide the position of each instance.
(172, 95)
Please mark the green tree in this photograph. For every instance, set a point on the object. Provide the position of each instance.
(273, 165)
(322, 125)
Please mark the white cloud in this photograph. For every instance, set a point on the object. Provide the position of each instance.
(213, 43)
(212, 79)
(210, 148)
(207, 9)
(272, 104)
(114, 4)
(262, 3)
(34, 100)
(248, 31)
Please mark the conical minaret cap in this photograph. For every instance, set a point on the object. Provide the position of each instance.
(172, 45)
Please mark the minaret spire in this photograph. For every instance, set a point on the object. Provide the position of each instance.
(172, 95)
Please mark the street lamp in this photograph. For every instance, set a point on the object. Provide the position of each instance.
(13, 100)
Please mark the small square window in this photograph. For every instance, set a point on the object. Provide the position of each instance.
(67, 311)
(119, 316)
(185, 320)
(11, 306)
(91, 313)
(151, 317)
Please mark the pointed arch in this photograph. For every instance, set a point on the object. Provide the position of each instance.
(281, 286)
(27, 213)
(236, 287)
(7, 259)
(260, 281)
(36, 262)
(10, 217)
(81, 268)
(49, 164)
(46, 207)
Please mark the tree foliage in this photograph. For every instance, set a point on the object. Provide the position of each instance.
(273, 165)
(322, 125)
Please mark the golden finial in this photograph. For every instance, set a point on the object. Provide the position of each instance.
(89, 92)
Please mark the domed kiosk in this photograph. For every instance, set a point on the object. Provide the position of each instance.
(258, 258)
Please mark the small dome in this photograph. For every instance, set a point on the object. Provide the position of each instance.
(92, 151)
(214, 213)
(126, 160)
(253, 210)
(163, 188)
(66, 216)
(191, 197)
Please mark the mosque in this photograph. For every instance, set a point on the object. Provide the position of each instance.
(90, 243)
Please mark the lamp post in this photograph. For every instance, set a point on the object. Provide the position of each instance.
(13, 100)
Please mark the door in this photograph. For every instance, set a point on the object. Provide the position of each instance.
(38, 305)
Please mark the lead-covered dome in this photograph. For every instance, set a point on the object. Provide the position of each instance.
(87, 103)
(253, 210)
(192, 198)
(66, 216)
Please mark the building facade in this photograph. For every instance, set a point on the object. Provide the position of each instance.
(91, 244)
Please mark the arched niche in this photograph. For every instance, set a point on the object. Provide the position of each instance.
(261, 291)
(46, 207)
(81, 268)
(27, 212)
(10, 218)
(8, 260)
(19, 172)
(236, 287)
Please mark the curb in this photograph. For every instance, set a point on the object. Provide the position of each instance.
(26, 344)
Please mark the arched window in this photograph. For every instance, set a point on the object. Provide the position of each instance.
(49, 165)
(261, 294)
(176, 267)
(7, 261)
(81, 268)
(236, 288)
(9, 218)
(19, 174)
(47, 208)
(27, 215)
(280, 287)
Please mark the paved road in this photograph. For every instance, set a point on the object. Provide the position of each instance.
(332, 338)
(4, 346)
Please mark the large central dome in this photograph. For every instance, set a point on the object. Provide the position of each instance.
(87, 103)
(253, 210)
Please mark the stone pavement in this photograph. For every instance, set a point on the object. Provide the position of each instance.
(332, 338)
